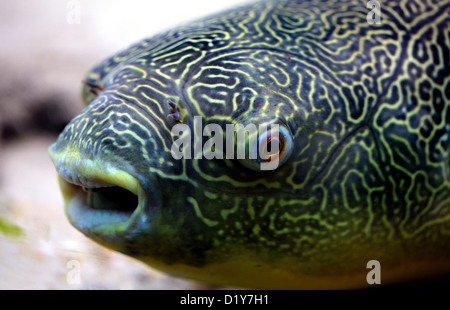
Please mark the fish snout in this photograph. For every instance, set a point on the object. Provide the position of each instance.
(102, 200)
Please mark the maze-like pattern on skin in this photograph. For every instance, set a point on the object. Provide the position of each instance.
(367, 105)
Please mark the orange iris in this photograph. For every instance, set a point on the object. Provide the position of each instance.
(281, 147)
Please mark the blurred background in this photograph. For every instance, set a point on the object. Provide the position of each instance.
(46, 48)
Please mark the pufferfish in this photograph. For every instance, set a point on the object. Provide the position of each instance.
(358, 93)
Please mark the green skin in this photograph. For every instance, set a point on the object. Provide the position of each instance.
(367, 106)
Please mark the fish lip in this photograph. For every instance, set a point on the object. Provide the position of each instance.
(107, 226)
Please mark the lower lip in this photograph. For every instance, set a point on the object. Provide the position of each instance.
(89, 220)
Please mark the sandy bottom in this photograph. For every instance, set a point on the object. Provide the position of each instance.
(41, 250)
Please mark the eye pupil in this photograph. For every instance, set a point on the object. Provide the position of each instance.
(270, 144)
(269, 148)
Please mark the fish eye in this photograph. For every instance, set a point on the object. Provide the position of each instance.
(271, 149)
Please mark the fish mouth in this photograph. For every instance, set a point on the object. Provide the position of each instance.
(101, 201)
